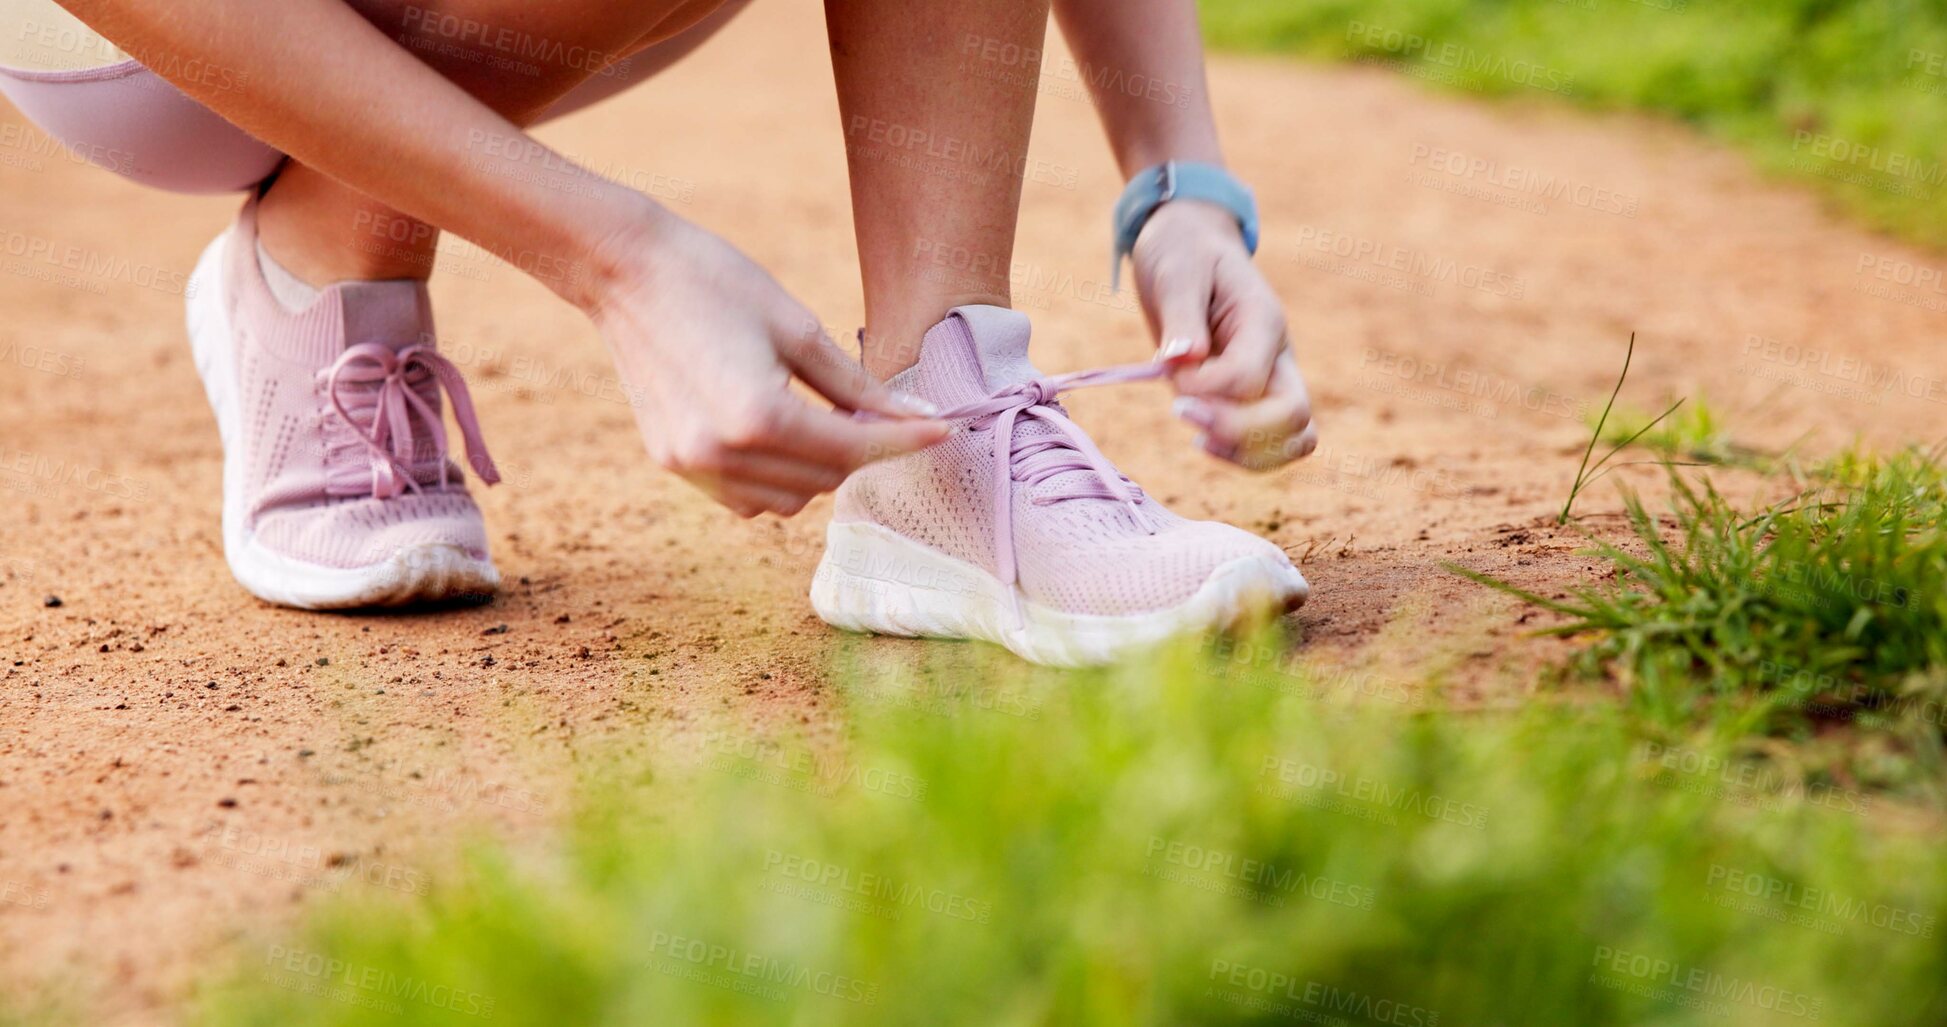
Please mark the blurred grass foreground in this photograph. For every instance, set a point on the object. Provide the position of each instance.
(1848, 94)
(1215, 836)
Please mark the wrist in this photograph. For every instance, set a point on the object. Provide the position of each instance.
(1186, 218)
(1171, 183)
(616, 251)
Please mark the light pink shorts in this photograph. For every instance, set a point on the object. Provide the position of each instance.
(131, 121)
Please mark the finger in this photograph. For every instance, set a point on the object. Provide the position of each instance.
(1180, 311)
(813, 357)
(1250, 336)
(1296, 447)
(749, 499)
(835, 440)
(1265, 433)
(794, 476)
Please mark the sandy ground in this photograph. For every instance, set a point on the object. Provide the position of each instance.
(179, 762)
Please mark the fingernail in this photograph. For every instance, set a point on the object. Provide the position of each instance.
(1173, 349)
(1194, 411)
(910, 404)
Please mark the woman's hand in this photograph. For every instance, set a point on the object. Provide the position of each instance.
(1223, 330)
(709, 343)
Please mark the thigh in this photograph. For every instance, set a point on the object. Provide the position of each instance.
(561, 42)
(648, 59)
(109, 111)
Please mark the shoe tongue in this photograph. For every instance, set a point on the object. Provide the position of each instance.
(972, 354)
(394, 314)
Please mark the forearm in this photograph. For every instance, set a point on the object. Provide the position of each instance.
(316, 80)
(1143, 60)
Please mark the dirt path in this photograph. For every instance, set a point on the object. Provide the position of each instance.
(177, 760)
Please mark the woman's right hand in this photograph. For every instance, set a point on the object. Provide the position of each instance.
(708, 343)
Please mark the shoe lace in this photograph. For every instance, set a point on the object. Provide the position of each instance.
(1050, 458)
(375, 393)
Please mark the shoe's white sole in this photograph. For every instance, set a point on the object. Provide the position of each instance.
(875, 580)
(418, 574)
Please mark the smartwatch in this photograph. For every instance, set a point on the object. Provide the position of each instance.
(1178, 180)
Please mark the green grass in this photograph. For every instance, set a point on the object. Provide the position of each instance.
(1693, 433)
(1848, 94)
(1211, 837)
(1825, 608)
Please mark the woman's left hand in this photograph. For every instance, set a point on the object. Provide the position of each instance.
(1223, 331)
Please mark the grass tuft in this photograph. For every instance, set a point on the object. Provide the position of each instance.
(1828, 606)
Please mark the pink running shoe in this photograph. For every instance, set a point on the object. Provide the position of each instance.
(1017, 530)
(337, 492)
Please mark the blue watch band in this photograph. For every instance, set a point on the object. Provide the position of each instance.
(1178, 180)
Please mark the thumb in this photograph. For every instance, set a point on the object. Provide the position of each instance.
(1183, 316)
(833, 374)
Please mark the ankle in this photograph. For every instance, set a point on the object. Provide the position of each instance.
(892, 342)
(320, 237)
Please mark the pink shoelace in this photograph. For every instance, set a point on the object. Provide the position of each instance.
(1046, 457)
(373, 384)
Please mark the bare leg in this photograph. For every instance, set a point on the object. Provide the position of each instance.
(936, 150)
(324, 232)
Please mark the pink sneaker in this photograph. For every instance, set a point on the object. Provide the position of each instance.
(337, 491)
(1017, 530)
